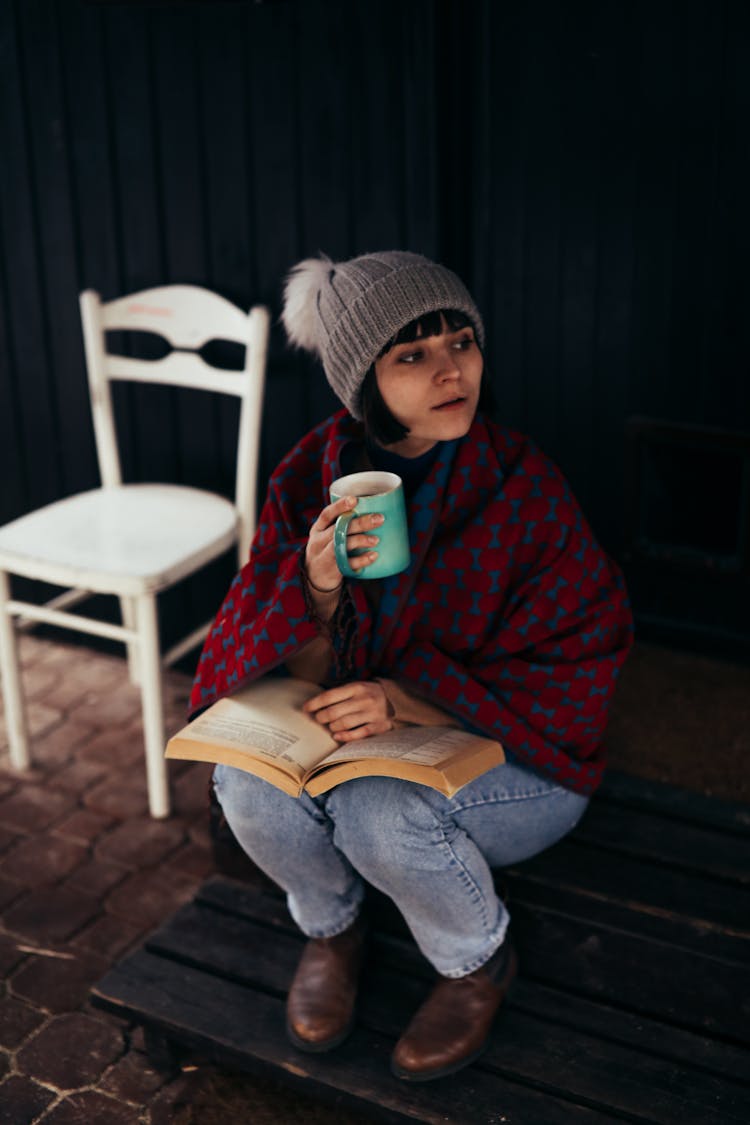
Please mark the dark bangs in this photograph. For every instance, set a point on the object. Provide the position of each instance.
(431, 324)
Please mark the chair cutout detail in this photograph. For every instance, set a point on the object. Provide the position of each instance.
(136, 540)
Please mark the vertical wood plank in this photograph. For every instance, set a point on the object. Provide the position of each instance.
(13, 467)
(179, 164)
(698, 86)
(655, 214)
(89, 141)
(456, 80)
(272, 142)
(126, 45)
(544, 156)
(378, 153)
(420, 128)
(59, 272)
(14, 470)
(223, 148)
(501, 215)
(272, 38)
(203, 454)
(327, 121)
(226, 171)
(27, 339)
(725, 346)
(619, 42)
(581, 189)
(136, 156)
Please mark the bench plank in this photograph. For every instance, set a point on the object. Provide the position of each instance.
(596, 954)
(527, 1046)
(597, 947)
(647, 835)
(695, 899)
(603, 1021)
(673, 802)
(240, 1026)
(244, 902)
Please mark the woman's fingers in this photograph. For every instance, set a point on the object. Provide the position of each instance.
(331, 512)
(360, 538)
(340, 713)
(359, 562)
(328, 516)
(332, 696)
(351, 706)
(365, 524)
(320, 561)
(361, 732)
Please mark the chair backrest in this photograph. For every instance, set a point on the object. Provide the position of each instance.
(187, 316)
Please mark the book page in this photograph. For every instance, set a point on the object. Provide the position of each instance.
(266, 721)
(424, 746)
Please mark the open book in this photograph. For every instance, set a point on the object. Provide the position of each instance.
(263, 729)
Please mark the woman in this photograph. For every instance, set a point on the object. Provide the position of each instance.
(510, 620)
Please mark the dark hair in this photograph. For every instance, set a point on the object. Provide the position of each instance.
(380, 425)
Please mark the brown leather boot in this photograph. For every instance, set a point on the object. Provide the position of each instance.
(452, 1027)
(320, 1004)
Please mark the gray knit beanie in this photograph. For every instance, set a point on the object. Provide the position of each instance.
(346, 312)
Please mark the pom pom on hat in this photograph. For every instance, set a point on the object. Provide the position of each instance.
(300, 315)
(347, 312)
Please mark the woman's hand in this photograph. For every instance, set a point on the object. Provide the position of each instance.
(320, 559)
(352, 711)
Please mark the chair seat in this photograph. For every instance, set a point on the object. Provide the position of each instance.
(129, 540)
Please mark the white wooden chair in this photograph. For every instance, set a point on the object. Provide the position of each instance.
(136, 540)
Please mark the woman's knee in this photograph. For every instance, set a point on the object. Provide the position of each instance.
(235, 788)
(377, 818)
(509, 832)
(248, 801)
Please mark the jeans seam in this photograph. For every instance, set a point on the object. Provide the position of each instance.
(476, 896)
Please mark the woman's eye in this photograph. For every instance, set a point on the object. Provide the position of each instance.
(409, 357)
(464, 343)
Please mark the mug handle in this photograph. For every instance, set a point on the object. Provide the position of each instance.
(339, 544)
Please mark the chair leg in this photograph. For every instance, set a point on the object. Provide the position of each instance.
(149, 664)
(127, 609)
(15, 716)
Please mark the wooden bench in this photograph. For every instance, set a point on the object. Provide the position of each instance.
(633, 1001)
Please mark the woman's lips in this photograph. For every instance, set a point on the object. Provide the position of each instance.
(452, 404)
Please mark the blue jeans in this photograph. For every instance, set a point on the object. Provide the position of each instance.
(429, 853)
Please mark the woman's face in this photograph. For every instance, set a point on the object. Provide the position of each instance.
(431, 386)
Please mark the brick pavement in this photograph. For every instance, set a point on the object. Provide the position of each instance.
(85, 873)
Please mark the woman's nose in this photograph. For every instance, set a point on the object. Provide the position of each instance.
(447, 365)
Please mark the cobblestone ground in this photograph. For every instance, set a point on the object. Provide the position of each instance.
(85, 873)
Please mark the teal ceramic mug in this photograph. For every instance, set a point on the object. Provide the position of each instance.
(375, 492)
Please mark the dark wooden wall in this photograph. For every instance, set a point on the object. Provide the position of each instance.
(582, 164)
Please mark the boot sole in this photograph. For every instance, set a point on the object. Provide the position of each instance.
(440, 1072)
(319, 1048)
